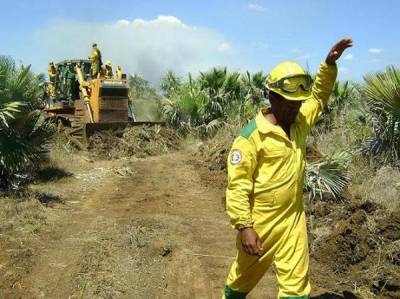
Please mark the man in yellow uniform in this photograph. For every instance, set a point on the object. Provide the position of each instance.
(108, 72)
(52, 72)
(118, 73)
(265, 180)
(96, 62)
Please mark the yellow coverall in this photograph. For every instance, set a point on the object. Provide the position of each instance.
(52, 72)
(118, 73)
(265, 188)
(108, 72)
(95, 58)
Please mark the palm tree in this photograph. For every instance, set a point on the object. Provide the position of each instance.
(381, 92)
(19, 84)
(23, 144)
(182, 109)
(23, 131)
(213, 99)
(170, 84)
(253, 94)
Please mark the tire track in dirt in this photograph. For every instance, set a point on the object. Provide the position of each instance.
(158, 233)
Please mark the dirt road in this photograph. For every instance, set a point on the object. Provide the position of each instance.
(129, 228)
(149, 228)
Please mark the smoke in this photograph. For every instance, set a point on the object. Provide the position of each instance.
(146, 47)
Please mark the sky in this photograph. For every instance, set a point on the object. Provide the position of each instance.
(153, 36)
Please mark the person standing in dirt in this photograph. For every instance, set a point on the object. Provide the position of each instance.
(265, 180)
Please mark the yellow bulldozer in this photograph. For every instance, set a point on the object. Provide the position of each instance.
(80, 105)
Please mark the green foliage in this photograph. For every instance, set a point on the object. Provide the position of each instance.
(141, 88)
(23, 132)
(22, 146)
(8, 112)
(327, 175)
(170, 84)
(342, 99)
(213, 99)
(182, 109)
(381, 92)
(19, 84)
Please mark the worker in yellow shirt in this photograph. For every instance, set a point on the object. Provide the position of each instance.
(96, 61)
(52, 72)
(107, 71)
(118, 72)
(265, 180)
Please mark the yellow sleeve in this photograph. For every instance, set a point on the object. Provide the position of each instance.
(321, 90)
(242, 161)
(94, 55)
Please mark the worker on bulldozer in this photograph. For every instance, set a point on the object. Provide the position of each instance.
(108, 72)
(96, 62)
(52, 72)
(118, 73)
(69, 81)
(264, 196)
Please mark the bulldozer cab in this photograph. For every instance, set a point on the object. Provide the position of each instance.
(61, 94)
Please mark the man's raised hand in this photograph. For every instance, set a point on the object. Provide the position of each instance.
(337, 50)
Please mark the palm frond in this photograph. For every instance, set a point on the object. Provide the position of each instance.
(381, 92)
(327, 176)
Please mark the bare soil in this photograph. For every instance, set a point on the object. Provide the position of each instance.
(131, 228)
(156, 228)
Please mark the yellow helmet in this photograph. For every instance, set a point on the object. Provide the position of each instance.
(108, 62)
(289, 80)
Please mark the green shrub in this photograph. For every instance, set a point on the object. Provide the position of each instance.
(381, 92)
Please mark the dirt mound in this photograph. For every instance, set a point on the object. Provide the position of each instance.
(348, 244)
(363, 248)
(138, 141)
(213, 152)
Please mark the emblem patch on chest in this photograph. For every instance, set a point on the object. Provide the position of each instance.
(236, 157)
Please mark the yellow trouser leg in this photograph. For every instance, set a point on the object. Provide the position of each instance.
(285, 243)
(291, 261)
(247, 270)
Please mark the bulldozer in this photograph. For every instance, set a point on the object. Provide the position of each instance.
(80, 105)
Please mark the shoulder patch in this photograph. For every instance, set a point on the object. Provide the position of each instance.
(236, 157)
(248, 129)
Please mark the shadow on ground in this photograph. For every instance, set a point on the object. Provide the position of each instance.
(51, 173)
(47, 198)
(345, 295)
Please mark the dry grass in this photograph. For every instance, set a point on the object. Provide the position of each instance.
(114, 258)
(346, 134)
(382, 188)
(25, 216)
(63, 154)
(21, 222)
